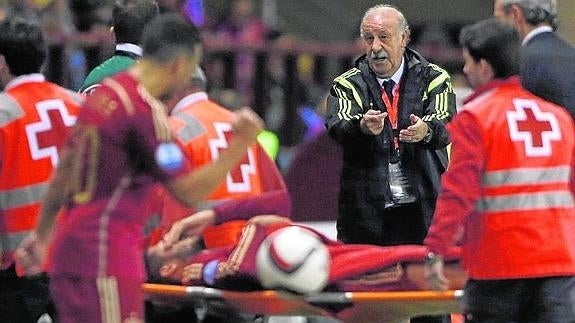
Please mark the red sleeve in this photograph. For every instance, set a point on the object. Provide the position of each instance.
(573, 173)
(275, 202)
(461, 183)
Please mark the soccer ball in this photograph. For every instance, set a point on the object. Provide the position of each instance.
(295, 259)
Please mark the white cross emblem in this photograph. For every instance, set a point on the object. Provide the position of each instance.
(246, 169)
(532, 126)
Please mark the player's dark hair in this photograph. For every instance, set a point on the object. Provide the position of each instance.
(496, 42)
(22, 45)
(130, 17)
(168, 36)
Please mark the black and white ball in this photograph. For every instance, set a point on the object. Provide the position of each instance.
(293, 258)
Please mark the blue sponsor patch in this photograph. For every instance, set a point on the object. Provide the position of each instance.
(169, 157)
(210, 272)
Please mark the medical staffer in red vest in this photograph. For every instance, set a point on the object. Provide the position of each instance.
(507, 196)
(36, 116)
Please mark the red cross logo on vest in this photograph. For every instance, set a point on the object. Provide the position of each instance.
(238, 179)
(48, 134)
(534, 127)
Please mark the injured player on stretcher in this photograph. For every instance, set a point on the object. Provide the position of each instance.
(228, 261)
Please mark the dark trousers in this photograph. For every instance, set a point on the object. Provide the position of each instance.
(403, 225)
(542, 300)
(24, 300)
(431, 319)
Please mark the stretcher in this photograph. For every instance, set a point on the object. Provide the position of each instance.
(366, 283)
(360, 307)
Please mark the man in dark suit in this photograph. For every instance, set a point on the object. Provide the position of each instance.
(548, 61)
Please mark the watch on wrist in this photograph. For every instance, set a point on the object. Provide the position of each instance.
(427, 138)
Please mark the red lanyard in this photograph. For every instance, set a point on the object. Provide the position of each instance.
(391, 104)
(392, 108)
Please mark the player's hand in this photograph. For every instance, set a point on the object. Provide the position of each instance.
(247, 124)
(415, 132)
(30, 256)
(192, 225)
(180, 249)
(372, 122)
(159, 256)
(172, 269)
(433, 272)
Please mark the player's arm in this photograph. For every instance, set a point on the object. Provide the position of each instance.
(198, 184)
(55, 197)
(275, 204)
(30, 255)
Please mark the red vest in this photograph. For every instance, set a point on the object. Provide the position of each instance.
(205, 128)
(524, 223)
(38, 116)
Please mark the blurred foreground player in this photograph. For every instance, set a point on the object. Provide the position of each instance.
(120, 149)
(35, 118)
(510, 185)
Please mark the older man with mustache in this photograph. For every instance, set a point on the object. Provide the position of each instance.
(389, 114)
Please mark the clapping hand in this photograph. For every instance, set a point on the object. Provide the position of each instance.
(372, 122)
(415, 132)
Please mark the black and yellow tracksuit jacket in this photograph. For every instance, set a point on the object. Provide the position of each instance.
(425, 90)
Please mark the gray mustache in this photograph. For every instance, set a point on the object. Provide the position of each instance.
(379, 55)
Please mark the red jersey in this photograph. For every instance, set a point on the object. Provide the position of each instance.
(122, 146)
(353, 267)
(35, 118)
(509, 184)
(204, 128)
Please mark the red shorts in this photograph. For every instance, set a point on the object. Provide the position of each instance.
(95, 300)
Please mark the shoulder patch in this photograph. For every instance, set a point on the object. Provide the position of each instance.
(9, 109)
(169, 157)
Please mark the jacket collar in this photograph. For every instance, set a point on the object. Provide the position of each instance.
(188, 100)
(26, 78)
(133, 49)
(535, 32)
(495, 83)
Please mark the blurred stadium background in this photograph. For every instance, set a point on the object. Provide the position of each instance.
(277, 56)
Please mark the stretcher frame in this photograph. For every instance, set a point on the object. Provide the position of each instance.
(351, 307)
